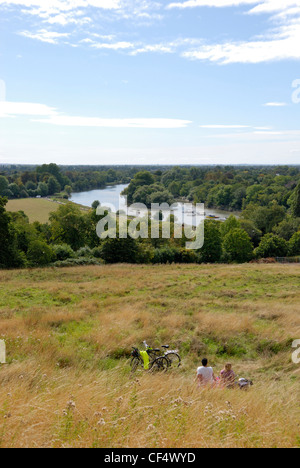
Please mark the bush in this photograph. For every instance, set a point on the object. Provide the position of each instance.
(82, 261)
(120, 250)
(39, 253)
(165, 255)
(84, 252)
(63, 252)
(97, 252)
(272, 246)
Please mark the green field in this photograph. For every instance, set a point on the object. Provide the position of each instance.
(69, 332)
(37, 209)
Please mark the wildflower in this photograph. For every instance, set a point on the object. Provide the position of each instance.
(151, 427)
(101, 422)
(71, 405)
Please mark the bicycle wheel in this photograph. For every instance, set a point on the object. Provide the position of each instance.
(174, 359)
(135, 362)
(159, 364)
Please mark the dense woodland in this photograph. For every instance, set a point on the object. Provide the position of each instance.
(268, 225)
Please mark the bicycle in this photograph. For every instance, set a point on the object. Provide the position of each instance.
(172, 356)
(158, 363)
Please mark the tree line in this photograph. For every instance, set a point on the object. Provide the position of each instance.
(230, 188)
(50, 179)
(70, 238)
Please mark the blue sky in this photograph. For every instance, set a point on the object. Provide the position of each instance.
(140, 82)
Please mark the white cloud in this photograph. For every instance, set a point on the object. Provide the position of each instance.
(13, 109)
(250, 52)
(64, 12)
(275, 104)
(112, 46)
(43, 35)
(62, 5)
(158, 48)
(279, 43)
(52, 116)
(217, 127)
(210, 3)
(73, 121)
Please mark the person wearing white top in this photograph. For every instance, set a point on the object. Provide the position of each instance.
(205, 375)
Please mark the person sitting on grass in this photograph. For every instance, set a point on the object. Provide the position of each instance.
(227, 376)
(205, 375)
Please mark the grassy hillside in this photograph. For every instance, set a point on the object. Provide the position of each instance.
(69, 332)
(37, 209)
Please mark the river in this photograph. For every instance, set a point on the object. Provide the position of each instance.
(111, 197)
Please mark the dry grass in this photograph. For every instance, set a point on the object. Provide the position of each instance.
(36, 209)
(68, 333)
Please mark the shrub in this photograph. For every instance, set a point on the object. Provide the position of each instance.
(39, 253)
(63, 252)
(84, 252)
(272, 246)
(97, 252)
(82, 261)
(165, 255)
(120, 250)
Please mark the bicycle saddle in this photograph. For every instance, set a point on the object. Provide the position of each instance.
(166, 346)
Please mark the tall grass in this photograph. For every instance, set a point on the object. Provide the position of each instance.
(69, 333)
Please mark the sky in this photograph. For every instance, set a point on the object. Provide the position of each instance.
(150, 82)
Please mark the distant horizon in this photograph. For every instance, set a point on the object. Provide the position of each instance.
(152, 165)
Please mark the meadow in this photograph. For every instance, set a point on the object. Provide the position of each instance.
(37, 209)
(69, 332)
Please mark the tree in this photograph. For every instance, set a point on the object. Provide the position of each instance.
(120, 250)
(252, 231)
(238, 246)
(39, 253)
(69, 226)
(162, 197)
(95, 204)
(271, 246)
(3, 185)
(295, 202)
(287, 228)
(15, 189)
(265, 218)
(43, 189)
(68, 190)
(294, 245)
(211, 251)
(53, 186)
(228, 225)
(9, 254)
